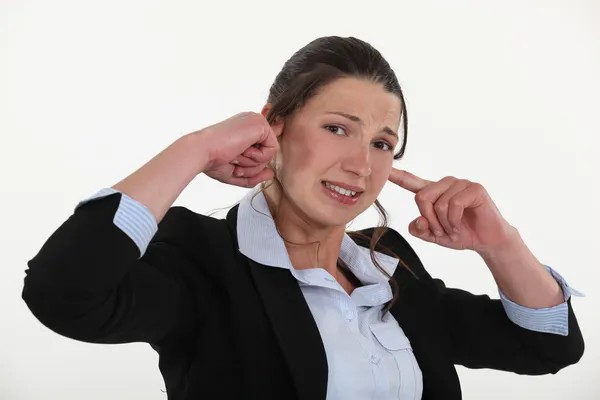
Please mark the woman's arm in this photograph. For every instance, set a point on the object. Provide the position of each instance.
(521, 277)
(477, 331)
(97, 278)
(89, 283)
(480, 335)
(159, 182)
(109, 274)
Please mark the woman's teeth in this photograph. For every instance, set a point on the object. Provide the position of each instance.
(340, 190)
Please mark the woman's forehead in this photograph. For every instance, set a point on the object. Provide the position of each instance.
(369, 101)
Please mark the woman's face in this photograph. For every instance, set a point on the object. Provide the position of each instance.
(336, 152)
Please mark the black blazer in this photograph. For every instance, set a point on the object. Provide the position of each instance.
(228, 328)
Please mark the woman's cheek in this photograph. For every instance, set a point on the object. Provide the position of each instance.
(380, 172)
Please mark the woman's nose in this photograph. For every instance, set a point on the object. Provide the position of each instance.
(358, 162)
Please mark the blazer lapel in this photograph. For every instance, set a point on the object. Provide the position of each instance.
(294, 326)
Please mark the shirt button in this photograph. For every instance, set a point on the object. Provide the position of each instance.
(349, 315)
(374, 359)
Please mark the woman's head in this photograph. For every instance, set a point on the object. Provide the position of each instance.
(344, 116)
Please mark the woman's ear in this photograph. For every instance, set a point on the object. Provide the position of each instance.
(278, 122)
(265, 109)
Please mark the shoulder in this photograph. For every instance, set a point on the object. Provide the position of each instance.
(193, 232)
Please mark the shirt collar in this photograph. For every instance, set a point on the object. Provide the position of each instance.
(259, 240)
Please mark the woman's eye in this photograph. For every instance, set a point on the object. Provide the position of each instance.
(383, 145)
(336, 130)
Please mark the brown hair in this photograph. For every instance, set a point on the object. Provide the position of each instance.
(315, 65)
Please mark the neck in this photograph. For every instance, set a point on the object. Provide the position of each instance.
(309, 244)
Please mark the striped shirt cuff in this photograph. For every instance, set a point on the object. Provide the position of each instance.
(132, 217)
(547, 320)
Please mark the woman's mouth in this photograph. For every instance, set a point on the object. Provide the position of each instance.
(340, 194)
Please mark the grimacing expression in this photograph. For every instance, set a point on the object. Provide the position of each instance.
(336, 151)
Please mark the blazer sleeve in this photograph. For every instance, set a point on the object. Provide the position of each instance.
(478, 333)
(88, 281)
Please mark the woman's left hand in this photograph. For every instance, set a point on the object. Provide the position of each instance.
(455, 213)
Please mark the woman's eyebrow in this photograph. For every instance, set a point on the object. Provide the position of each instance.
(354, 118)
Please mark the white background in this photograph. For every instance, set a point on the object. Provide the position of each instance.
(503, 93)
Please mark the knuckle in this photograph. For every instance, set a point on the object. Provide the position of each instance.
(454, 202)
(443, 206)
(448, 178)
(244, 114)
(421, 197)
(477, 186)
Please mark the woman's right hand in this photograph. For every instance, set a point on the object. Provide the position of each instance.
(240, 148)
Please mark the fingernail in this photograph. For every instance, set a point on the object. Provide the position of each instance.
(239, 174)
(235, 162)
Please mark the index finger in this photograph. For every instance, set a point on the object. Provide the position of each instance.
(408, 181)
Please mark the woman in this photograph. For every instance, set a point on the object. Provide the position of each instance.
(277, 301)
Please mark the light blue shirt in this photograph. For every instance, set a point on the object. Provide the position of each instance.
(367, 357)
